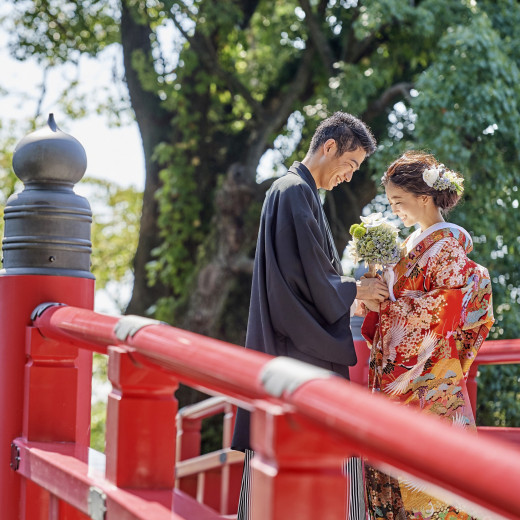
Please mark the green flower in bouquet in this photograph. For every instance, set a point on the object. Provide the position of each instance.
(375, 241)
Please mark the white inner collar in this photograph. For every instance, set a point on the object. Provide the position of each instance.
(417, 236)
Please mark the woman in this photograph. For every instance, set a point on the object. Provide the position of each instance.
(424, 342)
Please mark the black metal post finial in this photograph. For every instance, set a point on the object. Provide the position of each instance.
(47, 225)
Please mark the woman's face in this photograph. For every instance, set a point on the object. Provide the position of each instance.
(410, 208)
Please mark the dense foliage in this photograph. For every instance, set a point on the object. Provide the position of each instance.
(214, 85)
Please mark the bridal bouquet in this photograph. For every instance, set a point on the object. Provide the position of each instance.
(374, 241)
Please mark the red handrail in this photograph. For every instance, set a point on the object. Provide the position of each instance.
(499, 352)
(198, 359)
(482, 470)
(493, 352)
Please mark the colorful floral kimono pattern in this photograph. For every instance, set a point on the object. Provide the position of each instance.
(422, 346)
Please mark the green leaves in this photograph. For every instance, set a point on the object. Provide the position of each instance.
(498, 401)
(472, 86)
(115, 231)
(60, 31)
(217, 83)
(9, 183)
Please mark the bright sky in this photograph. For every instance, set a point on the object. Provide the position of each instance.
(112, 153)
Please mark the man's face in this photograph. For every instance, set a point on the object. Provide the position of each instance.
(339, 169)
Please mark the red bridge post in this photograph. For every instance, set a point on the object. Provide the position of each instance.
(295, 474)
(141, 428)
(46, 258)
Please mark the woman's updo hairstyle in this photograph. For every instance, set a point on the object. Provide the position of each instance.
(407, 173)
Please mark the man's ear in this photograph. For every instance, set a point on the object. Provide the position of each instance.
(330, 147)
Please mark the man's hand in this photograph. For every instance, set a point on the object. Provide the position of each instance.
(372, 305)
(371, 289)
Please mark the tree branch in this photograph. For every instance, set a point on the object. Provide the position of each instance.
(135, 37)
(248, 8)
(317, 37)
(322, 6)
(209, 59)
(354, 50)
(43, 92)
(399, 89)
(279, 108)
(348, 39)
(360, 48)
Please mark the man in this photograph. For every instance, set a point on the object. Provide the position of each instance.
(300, 302)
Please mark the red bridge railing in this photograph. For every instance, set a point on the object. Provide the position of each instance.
(495, 352)
(303, 428)
(305, 422)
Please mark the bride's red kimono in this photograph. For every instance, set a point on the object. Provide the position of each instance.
(423, 344)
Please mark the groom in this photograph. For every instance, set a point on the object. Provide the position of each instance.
(300, 302)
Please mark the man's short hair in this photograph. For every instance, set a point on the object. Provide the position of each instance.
(349, 132)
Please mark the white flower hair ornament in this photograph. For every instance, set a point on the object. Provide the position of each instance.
(440, 178)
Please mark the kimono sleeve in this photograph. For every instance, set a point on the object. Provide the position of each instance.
(369, 326)
(455, 296)
(477, 317)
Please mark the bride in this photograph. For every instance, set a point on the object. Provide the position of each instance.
(423, 343)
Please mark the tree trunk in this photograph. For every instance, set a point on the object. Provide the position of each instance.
(218, 302)
(154, 127)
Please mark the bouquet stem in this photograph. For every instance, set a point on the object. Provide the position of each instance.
(372, 270)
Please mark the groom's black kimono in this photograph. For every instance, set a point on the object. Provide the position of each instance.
(300, 304)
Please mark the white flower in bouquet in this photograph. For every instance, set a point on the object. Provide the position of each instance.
(373, 220)
(375, 241)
